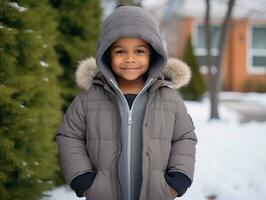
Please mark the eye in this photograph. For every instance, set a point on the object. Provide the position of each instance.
(119, 52)
(140, 51)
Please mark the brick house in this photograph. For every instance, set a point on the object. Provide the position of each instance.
(245, 57)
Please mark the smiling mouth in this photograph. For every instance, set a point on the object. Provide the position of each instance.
(130, 68)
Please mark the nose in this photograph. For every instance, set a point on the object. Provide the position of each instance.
(130, 58)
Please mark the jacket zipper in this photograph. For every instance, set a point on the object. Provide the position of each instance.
(129, 130)
(129, 138)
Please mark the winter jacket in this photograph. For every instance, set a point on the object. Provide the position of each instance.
(88, 138)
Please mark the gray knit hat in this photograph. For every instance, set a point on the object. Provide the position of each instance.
(131, 22)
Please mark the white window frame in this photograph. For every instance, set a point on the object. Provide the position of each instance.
(202, 51)
(254, 52)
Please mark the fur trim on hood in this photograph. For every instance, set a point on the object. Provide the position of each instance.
(176, 71)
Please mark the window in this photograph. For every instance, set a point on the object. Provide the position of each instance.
(257, 49)
(200, 45)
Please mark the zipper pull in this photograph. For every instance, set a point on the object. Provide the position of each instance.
(130, 119)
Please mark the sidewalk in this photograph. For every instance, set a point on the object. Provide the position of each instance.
(249, 110)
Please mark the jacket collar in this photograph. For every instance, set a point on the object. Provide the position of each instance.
(175, 75)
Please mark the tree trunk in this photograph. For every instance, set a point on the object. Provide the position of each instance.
(208, 40)
(216, 81)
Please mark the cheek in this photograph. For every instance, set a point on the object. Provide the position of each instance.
(146, 61)
(115, 62)
(146, 65)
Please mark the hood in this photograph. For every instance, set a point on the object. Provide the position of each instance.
(130, 22)
(176, 71)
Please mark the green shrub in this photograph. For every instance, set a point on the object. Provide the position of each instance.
(196, 87)
(30, 103)
(79, 26)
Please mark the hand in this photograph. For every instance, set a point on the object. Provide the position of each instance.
(172, 191)
(85, 194)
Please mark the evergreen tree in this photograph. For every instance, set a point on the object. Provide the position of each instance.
(29, 99)
(196, 87)
(79, 26)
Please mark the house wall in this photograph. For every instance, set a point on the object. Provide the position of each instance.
(236, 62)
(185, 31)
(236, 76)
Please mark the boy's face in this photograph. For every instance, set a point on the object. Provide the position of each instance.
(130, 59)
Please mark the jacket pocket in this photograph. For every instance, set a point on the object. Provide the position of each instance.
(101, 188)
(158, 188)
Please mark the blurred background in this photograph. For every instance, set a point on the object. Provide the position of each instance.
(223, 42)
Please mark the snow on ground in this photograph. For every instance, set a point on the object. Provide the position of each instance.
(62, 193)
(230, 161)
(254, 97)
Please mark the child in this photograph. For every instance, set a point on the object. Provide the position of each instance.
(127, 135)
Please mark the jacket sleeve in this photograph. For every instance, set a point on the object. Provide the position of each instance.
(182, 155)
(71, 140)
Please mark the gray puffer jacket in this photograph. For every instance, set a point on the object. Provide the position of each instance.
(89, 141)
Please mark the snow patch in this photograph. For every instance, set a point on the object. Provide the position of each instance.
(45, 79)
(60, 193)
(44, 64)
(29, 31)
(17, 7)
